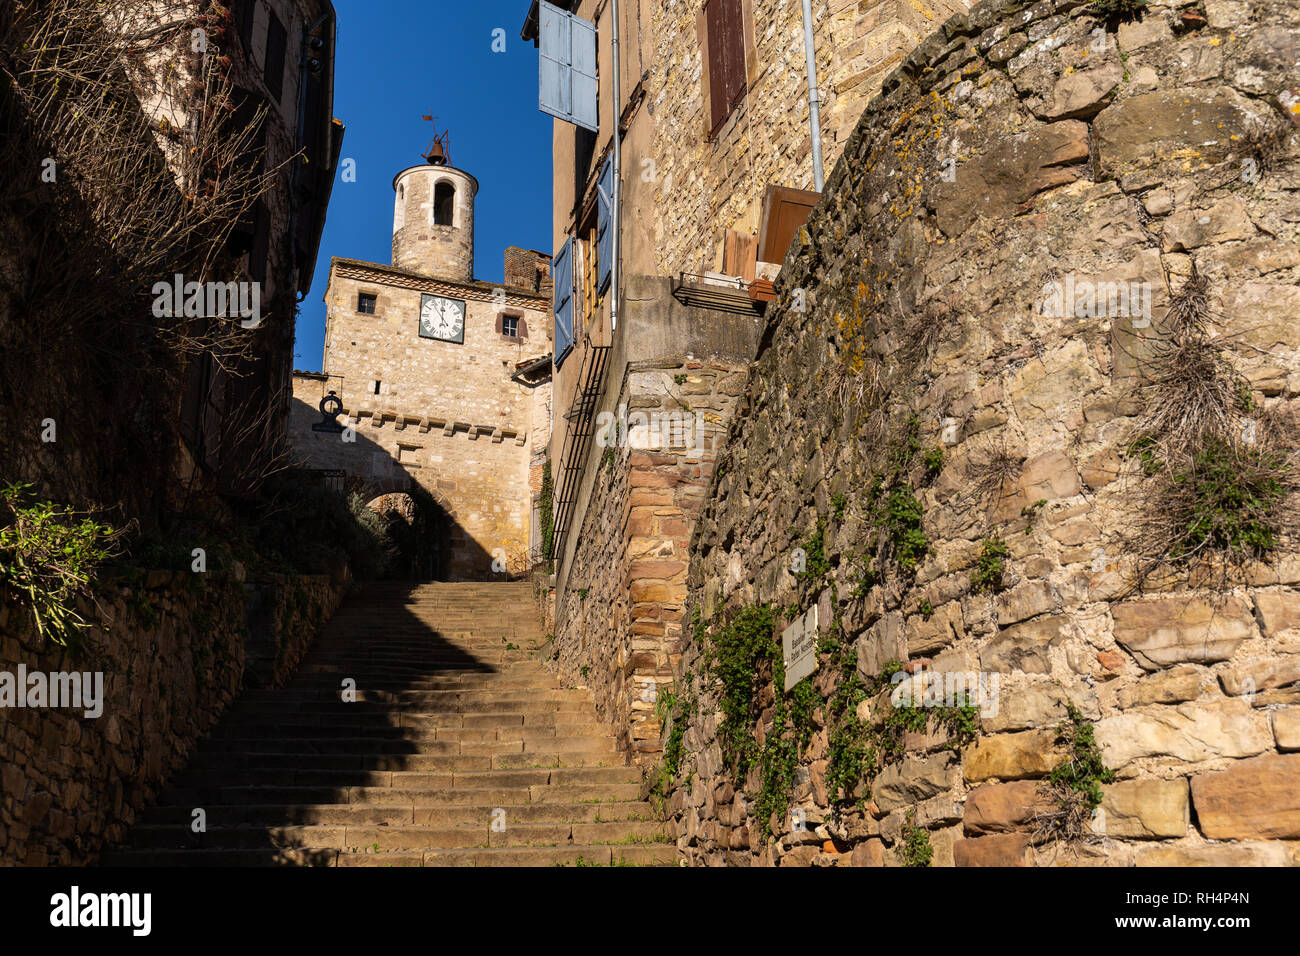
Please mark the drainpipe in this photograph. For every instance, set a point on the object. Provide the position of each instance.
(814, 108)
(617, 201)
(304, 54)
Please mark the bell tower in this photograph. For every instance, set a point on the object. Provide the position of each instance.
(433, 215)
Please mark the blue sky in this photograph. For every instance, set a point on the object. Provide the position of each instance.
(400, 59)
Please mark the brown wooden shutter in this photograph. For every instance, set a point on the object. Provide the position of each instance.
(738, 254)
(719, 94)
(733, 39)
(522, 328)
(785, 210)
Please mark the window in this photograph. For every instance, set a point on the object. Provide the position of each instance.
(244, 11)
(377, 384)
(444, 204)
(512, 326)
(276, 39)
(722, 44)
(366, 303)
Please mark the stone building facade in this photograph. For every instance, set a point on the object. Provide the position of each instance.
(444, 380)
(701, 166)
(961, 457)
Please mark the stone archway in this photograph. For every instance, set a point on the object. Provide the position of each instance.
(419, 527)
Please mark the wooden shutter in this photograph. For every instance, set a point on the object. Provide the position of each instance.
(244, 10)
(567, 86)
(785, 210)
(724, 47)
(276, 40)
(562, 269)
(605, 218)
(717, 65)
(734, 41)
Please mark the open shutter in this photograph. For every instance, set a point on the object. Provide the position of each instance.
(562, 269)
(604, 225)
(567, 85)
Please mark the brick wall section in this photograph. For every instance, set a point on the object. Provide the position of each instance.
(1071, 160)
(172, 662)
(529, 270)
(621, 614)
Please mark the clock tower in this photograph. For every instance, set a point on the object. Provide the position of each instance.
(443, 378)
(433, 218)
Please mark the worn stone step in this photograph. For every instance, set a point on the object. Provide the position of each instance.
(360, 814)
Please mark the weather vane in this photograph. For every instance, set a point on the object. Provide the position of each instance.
(439, 150)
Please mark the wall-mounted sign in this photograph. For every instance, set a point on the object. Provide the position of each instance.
(799, 647)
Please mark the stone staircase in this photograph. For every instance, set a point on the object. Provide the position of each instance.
(460, 749)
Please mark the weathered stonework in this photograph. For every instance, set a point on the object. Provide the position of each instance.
(620, 620)
(173, 657)
(1103, 157)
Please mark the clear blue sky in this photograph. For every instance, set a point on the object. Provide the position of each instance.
(400, 59)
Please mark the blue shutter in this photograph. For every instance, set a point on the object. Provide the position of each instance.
(562, 272)
(567, 85)
(604, 222)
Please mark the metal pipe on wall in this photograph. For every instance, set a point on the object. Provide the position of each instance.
(617, 201)
(814, 108)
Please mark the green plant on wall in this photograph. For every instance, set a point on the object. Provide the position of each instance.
(816, 565)
(49, 555)
(989, 565)
(914, 846)
(733, 655)
(546, 511)
(1075, 783)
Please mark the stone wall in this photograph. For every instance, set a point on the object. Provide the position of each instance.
(619, 617)
(286, 612)
(172, 658)
(705, 184)
(966, 478)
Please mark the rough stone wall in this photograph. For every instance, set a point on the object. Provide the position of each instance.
(705, 185)
(620, 616)
(447, 415)
(1137, 154)
(296, 607)
(172, 659)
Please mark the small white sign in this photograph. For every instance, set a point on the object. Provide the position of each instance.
(799, 647)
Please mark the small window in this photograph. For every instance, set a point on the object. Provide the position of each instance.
(366, 303)
(510, 326)
(276, 40)
(444, 204)
(377, 384)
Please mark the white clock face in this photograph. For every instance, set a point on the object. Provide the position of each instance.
(442, 318)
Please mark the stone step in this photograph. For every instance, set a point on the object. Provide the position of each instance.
(208, 797)
(356, 814)
(495, 830)
(655, 854)
(233, 761)
(407, 779)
